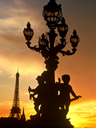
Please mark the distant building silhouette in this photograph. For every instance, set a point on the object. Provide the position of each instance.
(16, 111)
(23, 118)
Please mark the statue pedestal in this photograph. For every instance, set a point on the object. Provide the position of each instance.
(41, 122)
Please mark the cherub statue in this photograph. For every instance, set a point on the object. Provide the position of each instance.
(37, 91)
(65, 91)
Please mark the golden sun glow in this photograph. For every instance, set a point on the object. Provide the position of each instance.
(80, 114)
(83, 113)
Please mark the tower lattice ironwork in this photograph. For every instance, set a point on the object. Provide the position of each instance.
(16, 111)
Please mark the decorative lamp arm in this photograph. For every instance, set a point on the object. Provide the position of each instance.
(68, 52)
(59, 47)
(33, 48)
(43, 50)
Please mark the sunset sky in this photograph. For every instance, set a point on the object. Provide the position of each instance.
(14, 54)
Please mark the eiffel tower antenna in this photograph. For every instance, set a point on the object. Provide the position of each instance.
(18, 69)
(16, 111)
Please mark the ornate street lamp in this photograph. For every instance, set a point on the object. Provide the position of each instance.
(52, 14)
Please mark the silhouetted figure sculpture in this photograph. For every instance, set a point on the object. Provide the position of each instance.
(37, 91)
(65, 90)
(46, 99)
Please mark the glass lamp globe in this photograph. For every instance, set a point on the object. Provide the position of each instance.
(52, 14)
(74, 39)
(63, 28)
(28, 32)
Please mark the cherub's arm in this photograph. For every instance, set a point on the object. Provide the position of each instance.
(35, 92)
(59, 80)
(58, 83)
(73, 93)
(75, 98)
(31, 90)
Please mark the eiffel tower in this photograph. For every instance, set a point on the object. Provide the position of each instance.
(16, 111)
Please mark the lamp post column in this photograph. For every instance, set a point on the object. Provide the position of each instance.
(50, 62)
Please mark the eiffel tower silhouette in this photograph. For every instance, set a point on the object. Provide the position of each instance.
(16, 111)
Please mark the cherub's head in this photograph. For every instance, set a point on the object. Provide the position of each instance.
(66, 78)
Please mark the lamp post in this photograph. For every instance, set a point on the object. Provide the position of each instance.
(52, 14)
